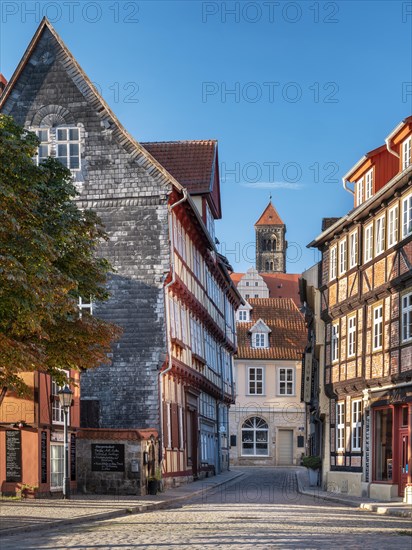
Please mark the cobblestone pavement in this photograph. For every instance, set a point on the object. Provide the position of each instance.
(261, 510)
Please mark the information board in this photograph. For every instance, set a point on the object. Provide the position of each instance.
(107, 457)
(13, 455)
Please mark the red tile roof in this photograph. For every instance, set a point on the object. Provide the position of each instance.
(270, 216)
(288, 337)
(191, 163)
(281, 285)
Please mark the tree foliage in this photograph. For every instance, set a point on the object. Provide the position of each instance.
(47, 261)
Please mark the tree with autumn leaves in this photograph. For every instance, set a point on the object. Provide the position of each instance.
(48, 260)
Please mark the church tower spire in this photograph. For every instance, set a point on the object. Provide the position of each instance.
(270, 242)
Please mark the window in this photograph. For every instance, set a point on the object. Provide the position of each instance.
(259, 340)
(407, 317)
(353, 249)
(68, 147)
(407, 216)
(368, 184)
(256, 283)
(286, 382)
(255, 437)
(340, 426)
(85, 306)
(56, 466)
(256, 295)
(356, 425)
(247, 283)
(393, 226)
(243, 315)
(332, 263)
(342, 257)
(57, 409)
(406, 153)
(359, 192)
(255, 380)
(351, 335)
(377, 327)
(379, 235)
(368, 237)
(44, 148)
(335, 342)
(210, 222)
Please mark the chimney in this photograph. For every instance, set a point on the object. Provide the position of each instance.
(3, 83)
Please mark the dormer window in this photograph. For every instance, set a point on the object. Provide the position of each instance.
(259, 340)
(210, 222)
(359, 192)
(368, 184)
(243, 315)
(406, 153)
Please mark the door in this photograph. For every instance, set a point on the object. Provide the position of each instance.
(285, 447)
(404, 460)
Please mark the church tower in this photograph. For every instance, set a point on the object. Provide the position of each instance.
(270, 242)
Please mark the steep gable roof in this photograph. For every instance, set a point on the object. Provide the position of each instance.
(260, 326)
(288, 337)
(269, 216)
(280, 285)
(13, 90)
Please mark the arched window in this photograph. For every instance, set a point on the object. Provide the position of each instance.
(271, 266)
(255, 437)
(274, 244)
(267, 266)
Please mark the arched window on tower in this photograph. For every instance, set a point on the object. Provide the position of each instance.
(267, 266)
(274, 245)
(271, 266)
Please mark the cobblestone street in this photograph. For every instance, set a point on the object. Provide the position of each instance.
(261, 510)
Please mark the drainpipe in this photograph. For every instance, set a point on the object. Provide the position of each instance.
(345, 186)
(388, 146)
(166, 297)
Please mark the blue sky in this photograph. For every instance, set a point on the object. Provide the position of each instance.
(295, 92)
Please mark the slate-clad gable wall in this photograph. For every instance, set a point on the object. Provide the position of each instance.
(133, 206)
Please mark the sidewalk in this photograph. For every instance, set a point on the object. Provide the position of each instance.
(29, 515)
(393, 508)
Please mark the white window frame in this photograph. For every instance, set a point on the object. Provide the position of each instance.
(169, 425)
(359, 192)
(356, 432)
(351, 332)
(282, 379)
(406, 308)
(59, 461)
(85, 306)
(377, 327)
(44, 143)
(68, 143)
(210, 222)
(407, 216)
(353, 249)
(259, 340)
(368, 184)
(255, 381)
(380, 235)
(406, 153)
(57, 409)
(259, 425)
(393, 225)
(243, 315)
(340, 426)
(368, 243)
(333, 262)
(334, 342)
(342, 256)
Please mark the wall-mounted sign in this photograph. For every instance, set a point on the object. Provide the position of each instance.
(107, 457)
(13, 455)
(43, 457)
(72, 457)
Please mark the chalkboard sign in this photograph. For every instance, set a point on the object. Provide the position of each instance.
(13, 455)
(43, 461)
(72, 457)
(107, 457)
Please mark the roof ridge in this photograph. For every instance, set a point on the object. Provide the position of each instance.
(180, 141)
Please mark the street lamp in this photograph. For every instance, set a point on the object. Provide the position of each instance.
(65, 396)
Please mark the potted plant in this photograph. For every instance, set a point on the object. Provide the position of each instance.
(154, 483)
(24, 490)
(313, 464)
